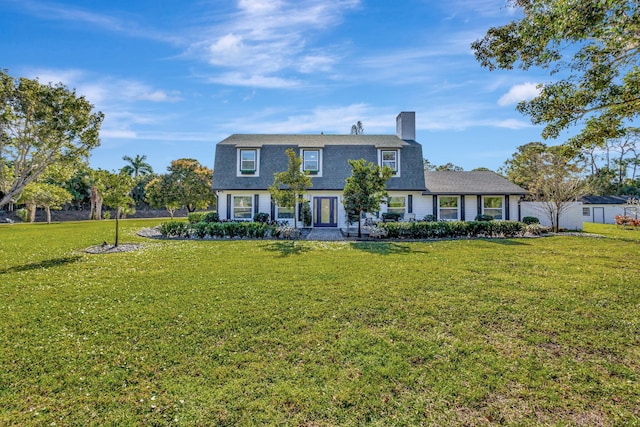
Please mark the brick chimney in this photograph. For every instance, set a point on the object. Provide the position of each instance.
(406, 125)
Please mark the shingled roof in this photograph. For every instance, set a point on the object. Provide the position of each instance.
(474, 182)
(336, 150)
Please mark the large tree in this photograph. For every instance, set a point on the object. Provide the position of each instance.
(158, 194)
(289, 186)
(40, 126)
(364, 190)
(591, 48)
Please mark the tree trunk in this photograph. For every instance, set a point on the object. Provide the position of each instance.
(359, 222)
(48, 211)
(117, 215)
(31, 212)
(96, 204)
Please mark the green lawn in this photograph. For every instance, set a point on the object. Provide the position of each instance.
(520, 332)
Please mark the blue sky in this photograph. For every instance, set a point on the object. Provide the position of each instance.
(174, 78)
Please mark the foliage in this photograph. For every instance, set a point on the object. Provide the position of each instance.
(289, 186)
(174, 229)
(601, 82)
(261, 217)
(452, 229)
(137, 166)
(627, 221)
(482, 217)
(530, 220)
(534, 332)
(159, 194)
(41, 126)
(391, 216)
(187, 184)
(211, 217)
(525, 165)
(448, 167)
(364, 190)
(116, 193)
(286, 232)
(430, 218)
(23, 214)
(306, 213)
(47, 196)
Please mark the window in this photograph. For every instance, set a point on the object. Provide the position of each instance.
(492, 206)
(248, 162)
(242, 207)
(284, 213)
(586, 212)
(396, 205)
(448, 208)
(311, 161)
(390, 159)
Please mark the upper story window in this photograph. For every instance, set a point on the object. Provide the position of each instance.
(311, 161)
(493, 206)
(448, 208)
(390, 159)
(248, 161)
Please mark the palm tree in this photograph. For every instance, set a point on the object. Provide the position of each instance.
(137, 166)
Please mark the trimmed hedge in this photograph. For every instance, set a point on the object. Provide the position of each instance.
(251, 230)
(452, 229)
(530, 220)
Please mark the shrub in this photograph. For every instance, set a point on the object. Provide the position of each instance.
(261, 217)
(194, 217)
(210, 217)
(306, 214)
(23, 214)
(199, 229)
(174, 229)
(430, 218)
(452, 229)
(536, 229)
(484, 218)
(530, 220)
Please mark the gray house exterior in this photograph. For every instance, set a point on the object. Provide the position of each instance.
(245, 166)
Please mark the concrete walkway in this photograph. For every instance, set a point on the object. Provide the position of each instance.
(325, 234)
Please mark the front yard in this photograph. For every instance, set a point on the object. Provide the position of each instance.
(541, 331)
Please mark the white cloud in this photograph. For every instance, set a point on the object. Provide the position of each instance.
(519, 93)
(271, 39)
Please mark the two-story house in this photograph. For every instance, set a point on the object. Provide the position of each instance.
(245, 166)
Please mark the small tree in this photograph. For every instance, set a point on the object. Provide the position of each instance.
(364, 190)
(117, 193)
(160, 195)
(288, 187)
(557, 184)
(47, 196)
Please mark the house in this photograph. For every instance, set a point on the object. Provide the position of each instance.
(245, 166)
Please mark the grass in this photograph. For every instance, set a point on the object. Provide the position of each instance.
(487, 332)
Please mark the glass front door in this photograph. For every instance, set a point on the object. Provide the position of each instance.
(325, 211)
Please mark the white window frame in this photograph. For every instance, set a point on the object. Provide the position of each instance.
(304, 169)
(250, 206)
(485, 209)
(381, 161)
(256, 170)
(404, 205)
(457, 218)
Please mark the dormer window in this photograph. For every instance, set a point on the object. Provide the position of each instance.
(390, 159)
(311, 161)
(248, 161)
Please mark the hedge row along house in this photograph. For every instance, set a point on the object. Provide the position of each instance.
(245, 165)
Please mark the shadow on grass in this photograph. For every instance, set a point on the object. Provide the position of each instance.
(506, 242)
(382, 248)
(56, 262)
(287, 248)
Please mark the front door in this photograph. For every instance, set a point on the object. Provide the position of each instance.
(325, 211)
